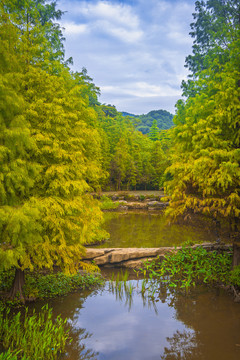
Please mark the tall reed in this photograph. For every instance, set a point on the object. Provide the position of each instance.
(12, 355)
(34, 337)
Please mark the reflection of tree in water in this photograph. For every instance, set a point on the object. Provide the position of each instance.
(70, 307)
(203, 311)
(182, 346)
(153, 230)
(211, 318)
(77, 349)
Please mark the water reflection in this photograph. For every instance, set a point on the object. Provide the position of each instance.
(144, 229)
(111, 325)
(182, 345)
(77, 349)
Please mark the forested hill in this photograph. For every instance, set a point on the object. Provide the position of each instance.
(144, 122)
(129, 114)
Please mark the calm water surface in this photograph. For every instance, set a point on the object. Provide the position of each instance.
(108, 325)
(203, 325)
(144, 229)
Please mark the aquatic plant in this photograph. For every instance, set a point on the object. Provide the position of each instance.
(12, 355)
(143, 289)
(188, 267)
(34, 336)
(122, 287)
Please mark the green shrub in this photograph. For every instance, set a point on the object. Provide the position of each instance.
(235, 276)
(42, 286)
(107, 204)
(58, 284)
(6, 279)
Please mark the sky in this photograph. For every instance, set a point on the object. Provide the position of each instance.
(134, 50)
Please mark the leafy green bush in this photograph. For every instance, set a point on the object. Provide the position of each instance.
(188, 266)
(42, 286)
(107, 204)
(58, 284)
(32, 337)
(6, 279)
(235, 276)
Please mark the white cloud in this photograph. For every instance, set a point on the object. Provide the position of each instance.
(122, 33)
(179, 38)
(142, 89)
(126, 35)
(149, 90)
(116, 20)
(74, 29)
(135, 51)
(118, 13)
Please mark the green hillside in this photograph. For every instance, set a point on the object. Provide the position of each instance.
(144, 122)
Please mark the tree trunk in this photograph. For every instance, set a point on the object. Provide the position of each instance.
(119, 184)
(236, 253)
(236, 244)
(17, 286)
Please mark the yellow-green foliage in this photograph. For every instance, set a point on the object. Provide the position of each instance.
(132, 159)
(107, 204)
(50, 156)
(205, 169)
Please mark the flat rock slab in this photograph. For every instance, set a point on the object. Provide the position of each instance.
(150, 205)
(134, 257)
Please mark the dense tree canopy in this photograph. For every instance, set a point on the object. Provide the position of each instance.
(213, 30)
(58, 143)
(129, 154)
(50, 149)
(205, 168)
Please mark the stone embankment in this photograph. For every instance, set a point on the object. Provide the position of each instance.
(130, 201)
(145, 205)
(135, 257)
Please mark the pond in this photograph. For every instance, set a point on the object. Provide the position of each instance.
(112, 323)
(107, 325)
(145, 229)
